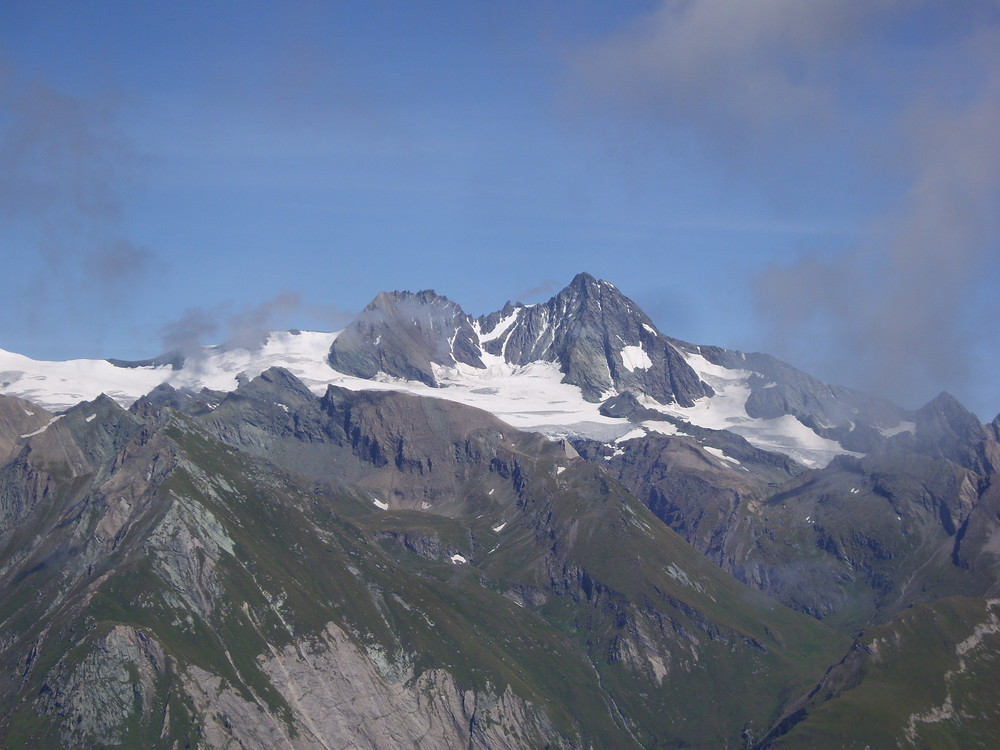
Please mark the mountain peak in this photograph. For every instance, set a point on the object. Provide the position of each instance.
(583, 279)
(945, 428)
(397, 299)
(403, 335)
(601, 341)
(586, 284)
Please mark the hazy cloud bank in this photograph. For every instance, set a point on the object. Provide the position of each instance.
(772, 82)
(65, 168)
(243, 328)
(246, 328)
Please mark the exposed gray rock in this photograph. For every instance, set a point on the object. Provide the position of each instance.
(339, 699)
(403, 334)
(18, 418)
(599, 338)
(411, 451)
(946, 429)
(602, 342)
(848, 416)
(173, 360)
(111, 688)
(184, 549)
(184, 401)
(624, 405)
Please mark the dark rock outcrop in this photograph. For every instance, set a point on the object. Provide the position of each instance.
(602, 342)
(403, 334)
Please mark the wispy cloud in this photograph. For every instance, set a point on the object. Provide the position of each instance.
(249, 326)
(898, 305)
(241, 328)
(65, 168)
(189, 333)
(778, 84)
(545, 287)
(756, 67)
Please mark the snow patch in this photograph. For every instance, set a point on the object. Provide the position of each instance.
(380, 504)
(634, 358)
(902, 427)
(631, 435)
(679, 575)
(500, 528)
(664, 428)
(726, 410)
(560, 469)
(91, 418)
(614, 453)
(62, 384)
(43, 428)
(502, 326)
(456, 559)
(528, 397)
(718, 453)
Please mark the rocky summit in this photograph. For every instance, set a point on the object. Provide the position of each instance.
(550, 526)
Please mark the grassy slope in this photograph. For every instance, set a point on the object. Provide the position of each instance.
(927, 679)
(613, 586)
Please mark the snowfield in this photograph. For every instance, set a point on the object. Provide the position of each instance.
(530, 397)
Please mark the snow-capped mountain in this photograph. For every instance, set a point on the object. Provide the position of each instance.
(320, 543)
(549, 367)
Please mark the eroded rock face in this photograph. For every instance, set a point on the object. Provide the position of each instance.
(337, 696)
(184, 549)
(18, 418)
(105, 695)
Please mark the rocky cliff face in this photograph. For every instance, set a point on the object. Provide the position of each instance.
(852, 543)
(403, 335)
(602, 341)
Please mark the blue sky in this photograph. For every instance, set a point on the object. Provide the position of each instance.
(818, 180)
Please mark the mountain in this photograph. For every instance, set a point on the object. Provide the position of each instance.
(547, 367)
(164, 587)
(403, 335)
(551, 526)
(602, 341)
